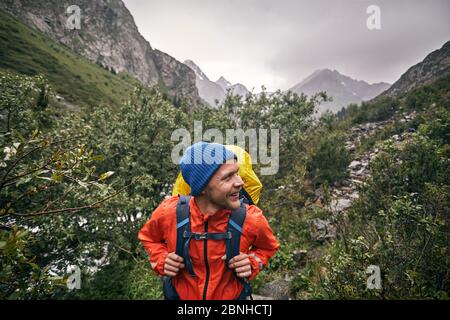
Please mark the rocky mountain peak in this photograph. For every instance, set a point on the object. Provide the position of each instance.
(198, 72)
(342, 88)
(224, 83)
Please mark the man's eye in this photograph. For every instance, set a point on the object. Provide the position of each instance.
(230, 176)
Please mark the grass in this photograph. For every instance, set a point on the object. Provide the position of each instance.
(78, 80)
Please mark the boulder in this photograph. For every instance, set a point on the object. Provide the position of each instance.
(277, 289)
(321, 230)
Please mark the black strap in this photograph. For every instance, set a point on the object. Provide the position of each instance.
(233, 245)
(237, 219)
(183, 224)
(245, 196)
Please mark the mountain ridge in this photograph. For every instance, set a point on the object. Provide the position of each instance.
(435, 65)
(342, 88)
(214, 92)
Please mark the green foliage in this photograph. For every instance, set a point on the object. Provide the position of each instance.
(23, 103)
(436, 125)
(436, 93)
(309, 282)
(19, 274)
(400, 223)
(121, 280)
(80, 209)
(330, 160)
(379, 109)
(42, 174)
(283, 258)
(143, 283)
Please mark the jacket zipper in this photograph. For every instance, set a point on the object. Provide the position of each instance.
(206, 262)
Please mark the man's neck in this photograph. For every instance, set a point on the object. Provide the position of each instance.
(205, 206)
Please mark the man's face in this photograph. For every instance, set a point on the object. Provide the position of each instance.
(223, 188)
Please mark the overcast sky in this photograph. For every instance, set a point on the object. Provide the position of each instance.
(278, 43)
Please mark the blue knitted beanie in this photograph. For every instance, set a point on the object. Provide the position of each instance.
(199, 163)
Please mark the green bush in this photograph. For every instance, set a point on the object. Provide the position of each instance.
(330, 159)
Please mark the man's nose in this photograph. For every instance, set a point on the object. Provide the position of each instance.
(239, 182)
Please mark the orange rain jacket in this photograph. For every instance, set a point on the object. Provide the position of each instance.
(158, 236)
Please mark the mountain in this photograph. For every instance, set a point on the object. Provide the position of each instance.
(343, 89)
(236, 89)
(212, 91)
(207, 89)
(435, 65)
(109, 37)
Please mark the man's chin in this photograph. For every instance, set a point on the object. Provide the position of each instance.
(233, 205)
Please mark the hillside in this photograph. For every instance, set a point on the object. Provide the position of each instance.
(434, 66)
(73, 77)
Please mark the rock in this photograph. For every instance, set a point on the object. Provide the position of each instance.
(337, 184)
(346, 189)
(350, 146)
(277, 290)
(321, 230)
(354, 195)
(318, 202)
(299, 256)
(339, 205)
(354, 165)
(360, 172)
(346, 183)
(356, 181)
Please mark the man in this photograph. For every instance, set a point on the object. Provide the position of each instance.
(202, 271)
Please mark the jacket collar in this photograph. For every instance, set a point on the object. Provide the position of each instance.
(217, 215)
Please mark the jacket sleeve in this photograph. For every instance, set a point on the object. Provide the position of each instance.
(152, 238)
(264, 246)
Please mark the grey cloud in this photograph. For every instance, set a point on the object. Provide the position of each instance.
(278, 43)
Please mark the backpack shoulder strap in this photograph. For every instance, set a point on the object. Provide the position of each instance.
(237, 219)
(183, 222)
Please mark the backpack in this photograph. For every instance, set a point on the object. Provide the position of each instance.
(184, 236)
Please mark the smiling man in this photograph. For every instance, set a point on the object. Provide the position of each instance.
(208, 245)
